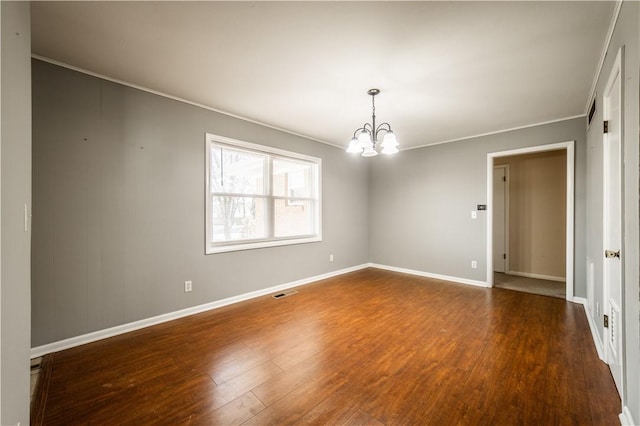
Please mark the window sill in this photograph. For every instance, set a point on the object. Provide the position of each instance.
(213, 249)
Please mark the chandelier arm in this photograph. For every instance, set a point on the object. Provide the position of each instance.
(382, 128)
(366, 128)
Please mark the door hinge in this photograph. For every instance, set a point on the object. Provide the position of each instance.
(606, 321)
(504, 256)
(606, 126)
(504, 178)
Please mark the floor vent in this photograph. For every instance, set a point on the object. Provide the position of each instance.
(284, 294)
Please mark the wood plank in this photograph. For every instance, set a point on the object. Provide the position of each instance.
(298, 402)
(239, 385)
(234, 413)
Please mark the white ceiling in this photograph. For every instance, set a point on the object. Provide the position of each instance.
(447, 70)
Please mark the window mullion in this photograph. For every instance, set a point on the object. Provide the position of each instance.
(270, 200)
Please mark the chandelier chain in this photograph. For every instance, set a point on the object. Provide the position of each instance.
(373, 104)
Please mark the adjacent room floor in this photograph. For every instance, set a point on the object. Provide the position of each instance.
(530, 285)
(371, 347)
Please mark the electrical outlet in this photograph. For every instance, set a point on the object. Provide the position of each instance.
(188, 286)
(330, 258)
(474, 264)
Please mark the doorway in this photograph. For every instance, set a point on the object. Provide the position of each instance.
(494, 159)
(530, 257)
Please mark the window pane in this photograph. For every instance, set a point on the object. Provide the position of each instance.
(237, 218)
(293, 218)
(236, 172)
(292, 178)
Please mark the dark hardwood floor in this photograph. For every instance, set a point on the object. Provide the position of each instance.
(371, 347)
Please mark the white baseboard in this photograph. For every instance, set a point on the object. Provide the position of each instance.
(626, 419)
(136, 325)
(537, 276)
(581, 300)
(430, 275)
(592, 326)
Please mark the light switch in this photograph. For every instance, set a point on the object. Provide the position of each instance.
(474, 214)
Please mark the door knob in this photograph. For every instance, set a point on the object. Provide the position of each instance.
(610, 254)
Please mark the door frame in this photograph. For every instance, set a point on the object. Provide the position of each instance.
(506, 216)
(569, 146)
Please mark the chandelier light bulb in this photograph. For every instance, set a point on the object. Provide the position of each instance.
(365, 140)
(354, 146)
(390, 140)
(369, 152)
(389, 149)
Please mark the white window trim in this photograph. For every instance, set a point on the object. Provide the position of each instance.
(211, 248)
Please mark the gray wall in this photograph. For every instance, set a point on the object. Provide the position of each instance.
(421, 202)
(15, 190)
(626, 34)
(118, 222)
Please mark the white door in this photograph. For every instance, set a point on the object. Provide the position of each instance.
(500, 230)
(612, 220)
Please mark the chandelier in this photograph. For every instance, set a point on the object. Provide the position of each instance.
(365, 139)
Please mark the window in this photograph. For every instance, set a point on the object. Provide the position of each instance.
(258, 196)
